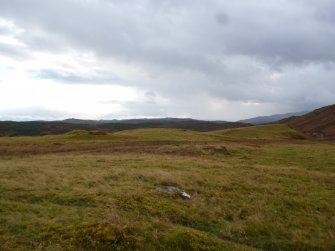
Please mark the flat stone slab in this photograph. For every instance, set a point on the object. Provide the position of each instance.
(174, 190)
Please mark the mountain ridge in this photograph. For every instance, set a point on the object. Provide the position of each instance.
(271, 118)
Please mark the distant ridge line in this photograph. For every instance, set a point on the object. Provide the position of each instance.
(272, 118)
(35, 128)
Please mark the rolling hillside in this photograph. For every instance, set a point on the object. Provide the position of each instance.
(319, 123)
(272, 131)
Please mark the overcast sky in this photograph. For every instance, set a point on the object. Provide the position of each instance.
(213, 59)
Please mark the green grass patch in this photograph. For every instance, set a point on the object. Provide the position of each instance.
(273, 131)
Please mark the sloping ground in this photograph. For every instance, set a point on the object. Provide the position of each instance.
(319, 123)
(274, 131)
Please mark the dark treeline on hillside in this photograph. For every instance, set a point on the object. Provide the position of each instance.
(35, 128)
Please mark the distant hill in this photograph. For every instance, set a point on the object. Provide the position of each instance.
(85, 122)
(34, 128)
(319, 123)
(271, 118)
(132, 121)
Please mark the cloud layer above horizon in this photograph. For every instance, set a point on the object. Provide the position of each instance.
(223, 60)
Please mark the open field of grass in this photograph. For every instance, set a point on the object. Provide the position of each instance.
(269, 190)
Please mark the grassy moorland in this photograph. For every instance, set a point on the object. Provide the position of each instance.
(272, 190)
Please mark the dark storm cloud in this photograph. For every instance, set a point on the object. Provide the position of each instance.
(279, 52)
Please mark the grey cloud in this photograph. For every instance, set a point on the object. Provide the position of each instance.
(222, 18)
(71, 78)
(327, 13)
(12, 51)
(170, 33)
(4, 31)
(227, 50)
(150, 94)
